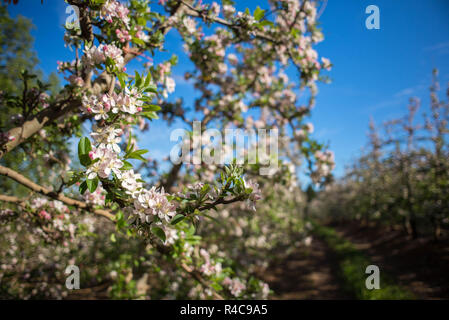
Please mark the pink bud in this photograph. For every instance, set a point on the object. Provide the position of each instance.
(91, 155)
(139, 109)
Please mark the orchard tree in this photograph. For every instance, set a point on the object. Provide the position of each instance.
(170, 223)
(402, 177)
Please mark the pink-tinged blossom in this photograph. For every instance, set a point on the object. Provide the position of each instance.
(189, 24)
(113, 52)
(93, 55)
(98, 109)
(123, 35)
(129, 101)
(326, 63)
(242, 106)
(75, 80)
(170, 85)
(171, 235)
(232, 58)
(265, 291)
(235, 286)
(209, 267)
(108, 162)
(107, 137)
(43, 99)
(114, 9)
(44, 215)
(59, 206)
(38, 203)
(228, 10)
(215, 9)
(140, 34)
(307, 241)
(96, 198)
(245, 18)
(255, 194)
(154, 203)
(309, 127)
(130, 181)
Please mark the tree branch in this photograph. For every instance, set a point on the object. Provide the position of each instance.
(197, 13)
(49, 193)
(197, 276)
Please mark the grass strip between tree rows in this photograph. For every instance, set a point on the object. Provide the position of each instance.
(352, 266)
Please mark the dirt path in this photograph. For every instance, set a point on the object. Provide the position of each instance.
(307, 273)
(420, 266)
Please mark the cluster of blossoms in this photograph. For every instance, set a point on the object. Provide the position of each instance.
(153, 202)
(123, 35)
(325, 163)
(235, 285)
(56, 213)
(190, 25)
(125, 102)
(209, 267)
(244, 19)
(303, 132)
(162, 73)
(113, 9)
(94, 55)
(107, 138)
(96, 198)
(107, 162)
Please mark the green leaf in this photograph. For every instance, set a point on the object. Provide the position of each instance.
(113, 239)
(159, 233)
(83, 187)
(174, 60)
(150, 115)
(74, 177)
(151, 107)
(147, 80)
(84, 148)
(138, 79)
(176, 219)
(212, 218)
(266, 23)
(138, 41)
(126, 166)
(137, 155)
(92, 184)
(151, 88)
(122, 78)
(258, 13)
(129, 145)
(216, 286)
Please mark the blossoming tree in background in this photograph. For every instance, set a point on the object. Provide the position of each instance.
(401, 179)
(133, 229)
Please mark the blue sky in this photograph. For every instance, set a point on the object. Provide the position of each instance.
(375, 71)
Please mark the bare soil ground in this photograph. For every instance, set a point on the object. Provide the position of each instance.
(307, 273)
(421, 265)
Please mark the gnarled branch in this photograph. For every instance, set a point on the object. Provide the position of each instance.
(7, 172)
